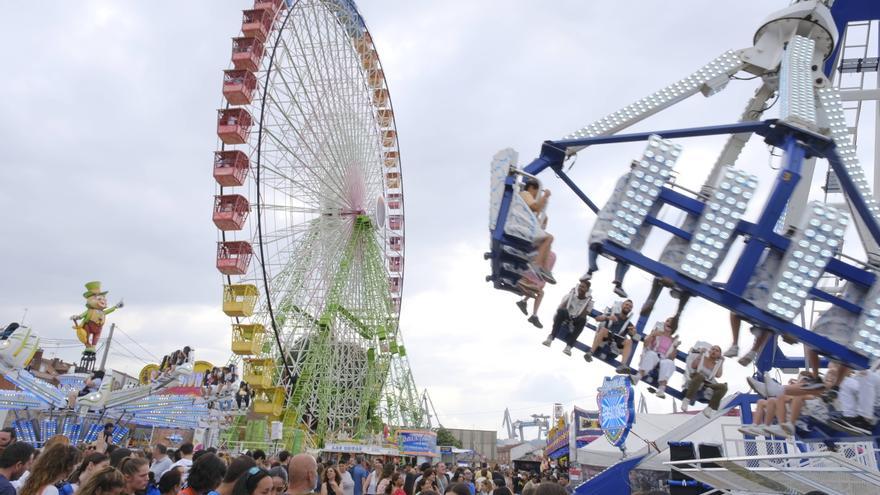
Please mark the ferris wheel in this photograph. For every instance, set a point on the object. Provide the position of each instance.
(309, 208)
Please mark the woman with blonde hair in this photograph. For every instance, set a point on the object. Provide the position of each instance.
(106, 481)
(136, 472)
(54, 464)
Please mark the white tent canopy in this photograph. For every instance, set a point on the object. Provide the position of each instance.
(651, 427)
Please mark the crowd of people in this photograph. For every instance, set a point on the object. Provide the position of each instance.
(616, 337)
(356, 476)
(59, 468)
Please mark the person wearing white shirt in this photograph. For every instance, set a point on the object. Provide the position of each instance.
(161, 461)
(186, 459)
(574, 309)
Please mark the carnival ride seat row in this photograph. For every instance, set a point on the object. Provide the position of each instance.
(793, 44)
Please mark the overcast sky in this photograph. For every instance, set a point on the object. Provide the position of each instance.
(108, 129)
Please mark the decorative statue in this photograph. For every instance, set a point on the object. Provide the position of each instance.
(89, 324)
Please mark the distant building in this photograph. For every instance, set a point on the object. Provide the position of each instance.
(48, 369)
(482, 442)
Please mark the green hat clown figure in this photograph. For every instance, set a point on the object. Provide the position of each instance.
(89, 324)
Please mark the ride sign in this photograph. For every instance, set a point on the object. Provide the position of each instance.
(616, 411)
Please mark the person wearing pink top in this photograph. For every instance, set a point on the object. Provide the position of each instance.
(532, 286)
(660, 349)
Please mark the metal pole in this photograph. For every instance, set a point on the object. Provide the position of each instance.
(107, 347)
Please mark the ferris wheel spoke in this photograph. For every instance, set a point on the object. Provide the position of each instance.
(327, 95)
(304, 184)
(319, 115)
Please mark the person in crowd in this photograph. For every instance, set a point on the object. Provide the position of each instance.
(302, 470)
(616, 325)
(186, 462)
(279, 479)
(564, 482)
(573, 310)
(395, 487)
(442, 476)
(161, 461)
(256, 481)
(170, 482)
(90, 464)
(660, 350)
(457, 489)
(385, 477)
(331, 483)
(7, 436)
(371, 485)
(235, 470)
(205, 475)
(117, 455)
(260, 457)
(105, 481)
(501, 490)
(359, 475)
(136, 472)
(15, 460)
(600, 230)
(427, 482)
(550, 488)
(346, 462)
(53, 465)
(469, 481)
(707, 368)
(485, 485)
(537, 203)
(409, 481)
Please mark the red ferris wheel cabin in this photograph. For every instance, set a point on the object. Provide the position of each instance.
(246, 53)
(257, 23)
(238, 86)
(234, 125)
(230, 167)
(230, 211)
(271, 5)
(234, 257)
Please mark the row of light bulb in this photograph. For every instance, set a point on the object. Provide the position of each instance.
(726, 63)
(717, 223)
(867, 339)
(830, 100)
(812, 246)
(10, 399)
(643, 188)
(24, 431)
(796, 80)
(48, 428)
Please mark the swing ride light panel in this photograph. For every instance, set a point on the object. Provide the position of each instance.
(10, 399)
(728, 63)
(643, 188)
(814, 243)
(712, 236)
(797, 104)
(867, 340)
(38, 388)
(830, 100)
